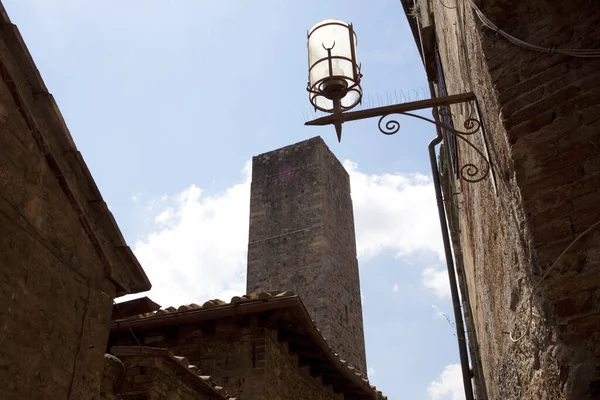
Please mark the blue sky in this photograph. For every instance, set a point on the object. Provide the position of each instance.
(169, 100)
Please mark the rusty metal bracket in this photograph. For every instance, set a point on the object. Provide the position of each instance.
(469, 172)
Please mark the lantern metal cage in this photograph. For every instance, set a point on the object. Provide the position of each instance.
(333, 71)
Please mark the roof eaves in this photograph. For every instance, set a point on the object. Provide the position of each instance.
(414, 26)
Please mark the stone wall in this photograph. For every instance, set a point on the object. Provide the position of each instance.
(59, 268)
(157, 374)
(285, 379)
(57, 304)
(55, 321)
(151, 379)
(113, 377)
(233, 356)
(249, 363)
(542, 126)
(302, 239)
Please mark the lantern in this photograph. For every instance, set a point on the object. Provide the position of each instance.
(333, 72)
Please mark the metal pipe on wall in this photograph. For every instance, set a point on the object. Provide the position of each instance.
(460, 326)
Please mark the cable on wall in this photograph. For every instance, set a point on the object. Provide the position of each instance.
(130, 330)
(585, 53)
(538, 284)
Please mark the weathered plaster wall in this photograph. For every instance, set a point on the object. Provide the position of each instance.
(302, 239)
(542, 118)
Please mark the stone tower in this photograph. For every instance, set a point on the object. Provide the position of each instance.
(302, 239)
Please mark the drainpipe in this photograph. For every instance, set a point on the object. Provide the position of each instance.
(460, 326)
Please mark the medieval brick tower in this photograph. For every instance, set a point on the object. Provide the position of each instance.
(302, 239)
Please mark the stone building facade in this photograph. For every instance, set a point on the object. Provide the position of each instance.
(257, 347)
(302, 239)
(526, 238)
(62, 257)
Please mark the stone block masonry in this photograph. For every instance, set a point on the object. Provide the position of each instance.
(286, 380)
(541, 116)
(62, 257)
(248, 362)
(302, 239)
(157, 374)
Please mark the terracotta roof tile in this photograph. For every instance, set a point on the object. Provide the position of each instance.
(213, 303)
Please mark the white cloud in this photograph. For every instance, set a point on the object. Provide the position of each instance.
(449, 386)
(437, 279)
(394, 212)
(134, 198)
(197, 249)
(164, 217)
(395, 288)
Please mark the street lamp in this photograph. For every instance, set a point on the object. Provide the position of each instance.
(334, 87)
(333, 71)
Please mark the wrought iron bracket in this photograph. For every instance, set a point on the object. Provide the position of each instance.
(469, 171)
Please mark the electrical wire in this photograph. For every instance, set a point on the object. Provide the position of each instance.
(130, 330)
(448, 7)
(584, 53)
(538, 284)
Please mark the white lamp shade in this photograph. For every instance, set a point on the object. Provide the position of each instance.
(334, 73)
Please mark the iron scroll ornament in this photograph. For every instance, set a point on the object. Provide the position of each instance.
(469, 172)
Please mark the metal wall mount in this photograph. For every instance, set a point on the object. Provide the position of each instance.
(470, 171)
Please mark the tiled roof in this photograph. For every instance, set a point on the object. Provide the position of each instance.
(249, 304)
(203, 382)
(210, 304)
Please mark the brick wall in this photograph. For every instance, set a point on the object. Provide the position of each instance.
(249, 363)
(542, 121)
(231, 355)
(151, 379)
(285, 379)
(302, 239)
(156, 374)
